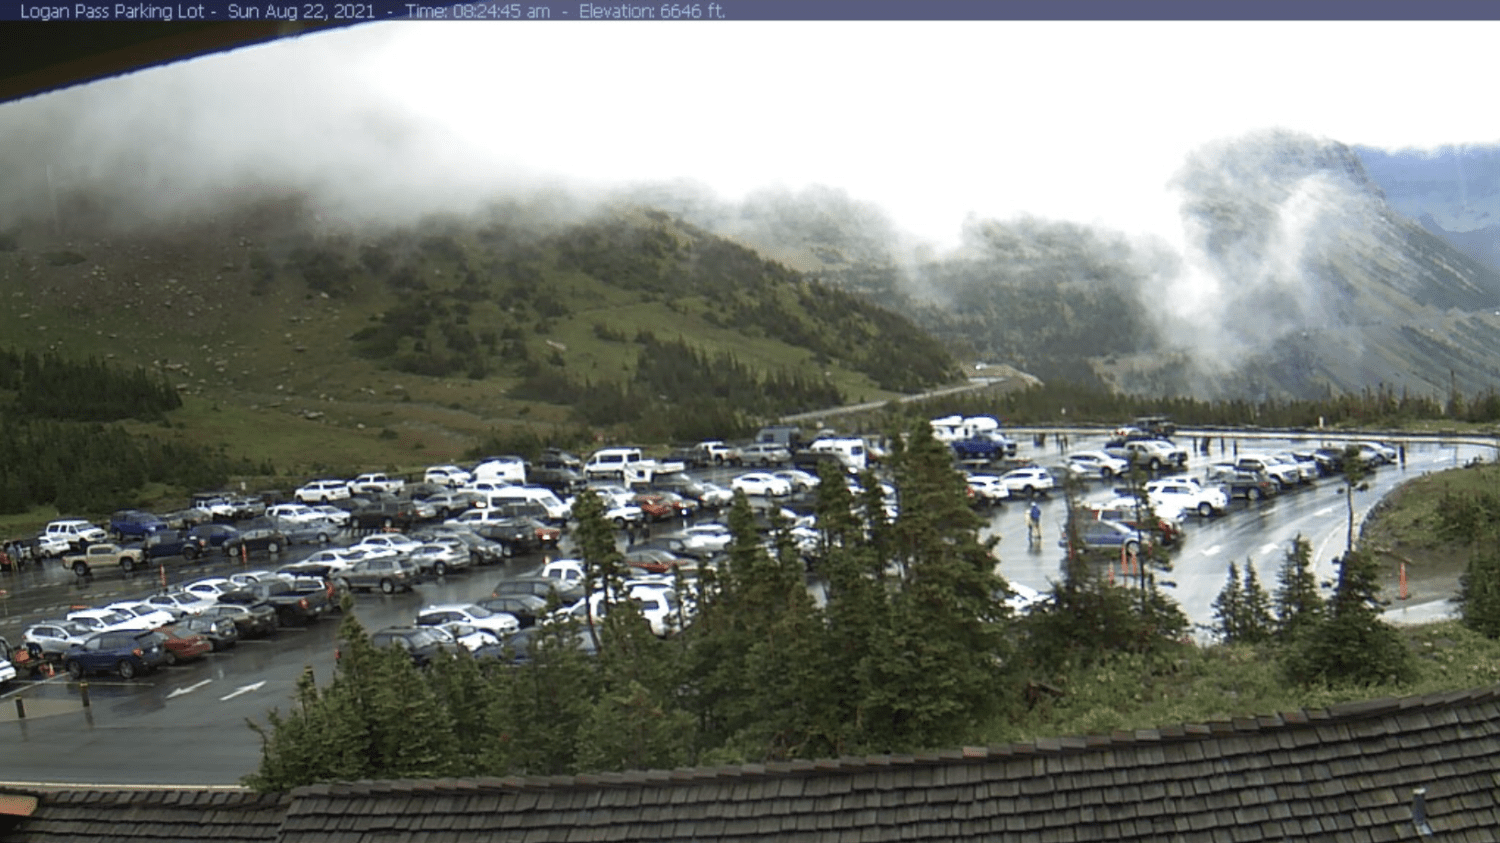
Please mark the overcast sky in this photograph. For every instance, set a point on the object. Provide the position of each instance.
(932, 121)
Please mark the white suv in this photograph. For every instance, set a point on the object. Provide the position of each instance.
(322, 491)
(1028, 482)
(75, 532)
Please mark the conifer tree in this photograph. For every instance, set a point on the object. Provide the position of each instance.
(1229, 607)
(1479, 593)
(1352, 644)
(934, 671)
(1256, 605)
(1298, 605)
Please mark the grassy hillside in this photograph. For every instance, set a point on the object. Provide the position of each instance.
(308, 345)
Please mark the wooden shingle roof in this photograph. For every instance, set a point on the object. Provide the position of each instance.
(1343, 774)
(144, 814)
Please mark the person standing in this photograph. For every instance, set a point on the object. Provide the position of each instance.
(1034, 523)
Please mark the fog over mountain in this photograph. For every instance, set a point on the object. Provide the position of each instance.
(1294, 277)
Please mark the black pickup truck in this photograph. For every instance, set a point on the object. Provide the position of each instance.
(293, 607)
(165, 543)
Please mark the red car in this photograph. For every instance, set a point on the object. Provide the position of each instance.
(655, 507)
(183, 648)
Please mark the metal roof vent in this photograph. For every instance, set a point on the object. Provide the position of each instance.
(1419, 811)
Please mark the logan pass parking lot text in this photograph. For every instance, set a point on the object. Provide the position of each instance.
(117, 11)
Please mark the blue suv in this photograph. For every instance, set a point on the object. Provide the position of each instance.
(133, 523)
(128, 653)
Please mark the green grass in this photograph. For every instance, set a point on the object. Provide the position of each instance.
(1200, 685)
(1402, 526)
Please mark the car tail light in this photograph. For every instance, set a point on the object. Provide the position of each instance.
(302, 603)
(137, 652)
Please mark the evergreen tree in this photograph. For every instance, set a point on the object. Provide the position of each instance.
(1352, 644)
(1256, 606)
(1298, 605)
(378, 719)
(1229, 608)
(1479, 593)
(934, 672)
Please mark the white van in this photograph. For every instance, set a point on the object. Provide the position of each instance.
(556, 509)
(850, 451)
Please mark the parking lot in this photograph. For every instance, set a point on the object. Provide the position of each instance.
(192, 716)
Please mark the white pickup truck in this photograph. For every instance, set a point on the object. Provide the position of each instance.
(628, 466)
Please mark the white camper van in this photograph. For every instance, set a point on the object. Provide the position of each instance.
(850, 451)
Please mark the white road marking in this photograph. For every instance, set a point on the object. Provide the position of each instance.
(1213, 550)
(1327, 510)
(243, 689)
(189, 689)
(1269, 548)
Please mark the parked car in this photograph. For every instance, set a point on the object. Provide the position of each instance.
(251, 621)
(1110, 536)
(707, 538)
(424, 645)
(390, 574)
(799, 480)
(293, 512)
(74, 533)
(438, 558)
(448, 504)
(54, 637)
(765, 454)
(333, 515)
(150, 616)
(1028, 481)
(988, 489)
(388, 544)
(1166, 530)
(447, 475)
(183, 645)
(543, 587)
(337, 558)
(760, 483)
(165, 544)
(127, 653)
(211, 587)
(213, 535)
(500, 623)
(220, 633)
(1250, 485)
(135, 524)
(1096, 465)
(182, 601)
(322, 491)
(383, 514)
(1186, 494)
(256, 540)
(320, 531)
(107, 620)
(527, 609)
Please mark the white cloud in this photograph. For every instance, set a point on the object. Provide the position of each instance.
(935, 121)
